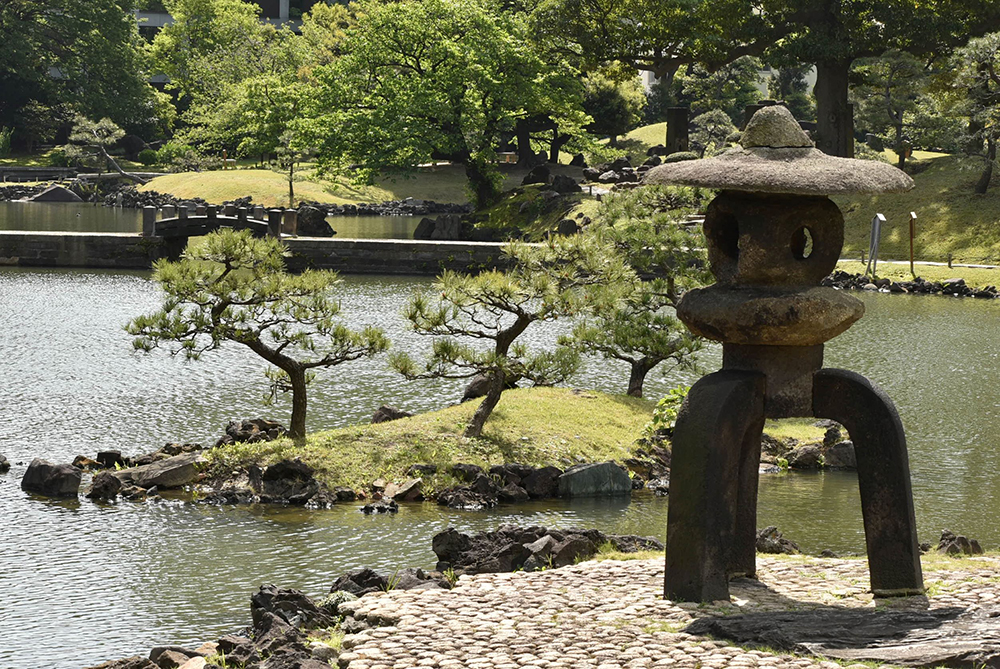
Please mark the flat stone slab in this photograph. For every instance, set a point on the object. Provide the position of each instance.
(612, 615)
(168, 473)
(938, 637)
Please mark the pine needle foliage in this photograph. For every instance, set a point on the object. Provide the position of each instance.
(233, 287)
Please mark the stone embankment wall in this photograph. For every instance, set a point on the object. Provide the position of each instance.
(354, 256)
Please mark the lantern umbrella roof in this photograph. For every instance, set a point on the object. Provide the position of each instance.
(778, 157)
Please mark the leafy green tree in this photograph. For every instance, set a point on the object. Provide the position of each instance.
(91, 140)
(615, 106)
(634, 322)
(86, 53)
(828, 33)
(494, 308)
(730, 87)
(978, 77)
(712, 131)
(789, 85)
(425, 80)
(886, 93)
(232, 287)
(39, 122)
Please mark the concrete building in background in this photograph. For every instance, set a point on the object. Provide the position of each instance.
(279, 12)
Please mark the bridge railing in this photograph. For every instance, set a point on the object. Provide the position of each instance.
(190, 221)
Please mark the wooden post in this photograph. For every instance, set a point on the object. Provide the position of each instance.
(148, 221)
(274, 223)
(913, 220)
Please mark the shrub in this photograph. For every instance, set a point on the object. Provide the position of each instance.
(172, 150)
(679, 156)
(665, 413)
(58, 158)
(148, 157)
(5, 135)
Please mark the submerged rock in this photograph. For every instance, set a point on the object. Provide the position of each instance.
(769, 540)
(105, 486)
(601, 479)
(4, 465)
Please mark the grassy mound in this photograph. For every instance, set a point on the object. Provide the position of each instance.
(534, 426)
(951, 218)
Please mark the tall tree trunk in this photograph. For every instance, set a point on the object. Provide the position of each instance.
(475, 426)
(525, 154)
(834, 115)
(291, 186)
(484, 190)
(991, 157)
(297, 377)
(558, 141)
(640, 368)
(900, 149)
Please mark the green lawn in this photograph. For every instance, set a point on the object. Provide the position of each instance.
(534, 426)
(442, 183)
(951, 218)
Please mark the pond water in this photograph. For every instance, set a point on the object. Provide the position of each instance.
(85, 217)
(84, 582)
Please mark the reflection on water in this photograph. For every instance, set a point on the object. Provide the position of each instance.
(101, 581)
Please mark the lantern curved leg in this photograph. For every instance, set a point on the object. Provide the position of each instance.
(711, 519)
(883, 477)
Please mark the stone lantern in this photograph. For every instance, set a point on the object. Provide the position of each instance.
(773, 234)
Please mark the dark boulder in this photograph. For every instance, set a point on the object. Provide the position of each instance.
(840, 456)
(105, 486)
(512, 494)
(805, 457)
(600, 479)
(251, 431)
(463, 497)
(466, 472)
(538, 175)
(238, 650)
(571, 550)
(85, 463)
(769, 540)
(566, 227)
(56, 194)
(417, 579)
(479, 386)
(4, 465)
(424, 229)
(52, 480)
(592, 173)
(565, 184)
(172, 472)
(272, 634)
(291, 606)
(171, 657)
(288, 481)
(578, 160)
(416, 471)
(956, 544)
(111, 459)
(510, 472)
(312, 223)
(542, 483)
(345, 494)
(360, 582)
(386, 413)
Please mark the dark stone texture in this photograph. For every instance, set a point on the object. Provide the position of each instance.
(464, 497)
(51, 480)
(883, 477)
(311, 222)
(840, 456)
(805, 457)
(537, 175)
(565, 184)
(956, 544)
(950, 637)
(104, 486)
(172, 472)
(381, 506)
(56, 194)
(542, 483)
(769, 540)
(134, 662)
(4, 465)
(360, 582)
(599, 479)
(293, 607)
(386, 413)
(711, 520)
(288, 481)
(466, 472)
(111, 459)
